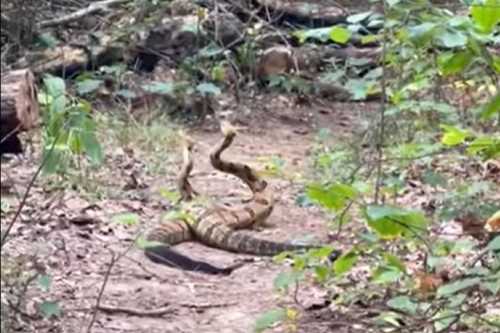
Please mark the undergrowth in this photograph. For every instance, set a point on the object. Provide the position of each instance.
(413, 193)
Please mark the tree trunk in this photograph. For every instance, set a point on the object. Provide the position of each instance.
(19, 108)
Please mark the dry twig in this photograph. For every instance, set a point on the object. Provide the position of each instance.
(90, 9)
(136, 312)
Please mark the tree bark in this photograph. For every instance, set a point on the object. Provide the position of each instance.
(19, 108)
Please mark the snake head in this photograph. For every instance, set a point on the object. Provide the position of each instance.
(186, 140)
(227, 129)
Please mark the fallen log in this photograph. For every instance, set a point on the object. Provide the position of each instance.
(68, 61)
(19, 108)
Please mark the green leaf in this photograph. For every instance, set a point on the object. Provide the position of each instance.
(453, 136)
(143, 243)
(486, 146)
(394, 262)
(492, 286)
(321, 272)
(172, 196)
(375, 24)
(285, 279)
(389, 317)
(494, 245)
(457, 300)
(495, 63)
(433, 178)
(50, 309)
(320, 253)
(46, 40)
(452, 38)
(384, 275)
(390, 222)
(403, 303)
(334, 197)
(218, 73)
(436, 262)
(369, 237)
(359, 88)
(162, 88)
(44, 281)
(370, 39)
(299, 263)
(463, 246)
(4, 205)
(55, 85)
(44, 98)
(302, 200)
(56, 89)
(454, 63)
(344, 263)
(321, 34)
(53, 159)
(208, 88)
(74, 141)
(126, 219)
(270, 318)
(491, 108)
(92, 147)
(332, 77)
(443, 319)
(485, 14)
(126, 93)
(174, 215)
(459, 21)
(392, 3)
(456, 286)
(356, 18)
(375, 73)
(359, 62)
(340, 35)
(87, 86)
(422, 33)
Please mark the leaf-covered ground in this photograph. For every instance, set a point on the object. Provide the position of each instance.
(74, 232)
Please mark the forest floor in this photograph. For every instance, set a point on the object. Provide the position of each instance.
(73, 233)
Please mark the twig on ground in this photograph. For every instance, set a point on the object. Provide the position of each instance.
(136, 312)
(26, 194)
(141, 265)
(90, 9)
(207, 305)
(114, 259)
(11, 133)
(158, 311)
(101, 291)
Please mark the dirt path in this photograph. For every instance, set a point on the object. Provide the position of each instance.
(79, 253)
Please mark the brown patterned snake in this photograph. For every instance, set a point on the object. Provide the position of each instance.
(217, 226)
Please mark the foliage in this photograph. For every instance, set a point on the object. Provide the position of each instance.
(431, 54)
(289, 84)
(69, 131)
(48, 308)
(358, 75)
(17, 276)
(128, 219)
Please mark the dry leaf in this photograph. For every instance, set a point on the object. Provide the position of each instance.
(493, 223)
(427, 283)
(472, 225)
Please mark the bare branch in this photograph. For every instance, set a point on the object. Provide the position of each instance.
(90, 9)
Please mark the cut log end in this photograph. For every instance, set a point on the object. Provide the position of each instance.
(19, 108)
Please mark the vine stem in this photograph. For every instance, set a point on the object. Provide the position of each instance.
(381, 130)
(28, 189)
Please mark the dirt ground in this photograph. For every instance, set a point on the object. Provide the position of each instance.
(77, 252)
